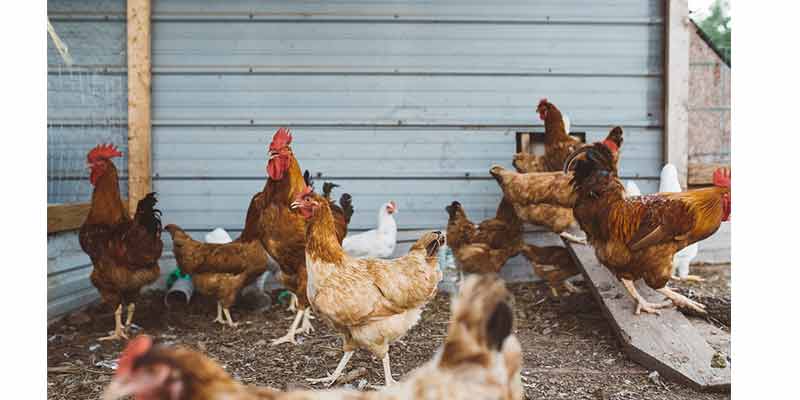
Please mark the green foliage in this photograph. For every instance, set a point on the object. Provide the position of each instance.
(717, 26)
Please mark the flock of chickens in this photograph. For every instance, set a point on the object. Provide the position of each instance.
(370, 300)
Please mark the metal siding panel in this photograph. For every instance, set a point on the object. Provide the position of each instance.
(240, 152)
(97, 44)
(408, 47)
(617, 10)
(68, 269)
(401, 100)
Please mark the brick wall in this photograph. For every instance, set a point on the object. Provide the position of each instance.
(709, 104)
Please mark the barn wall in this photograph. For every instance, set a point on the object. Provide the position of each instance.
(403, 100)
(410, 101)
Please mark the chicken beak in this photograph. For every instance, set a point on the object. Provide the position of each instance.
(272, 154)
(294, 205)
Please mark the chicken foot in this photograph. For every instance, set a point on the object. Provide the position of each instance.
(330, 379)
(305, 326)
(129, 318)
(641, 303)
(682, 301)
(688, 278)
(387, 371)
(119, 333)
(572, 238)
(229, 319)
(219, 314)
(289, 337)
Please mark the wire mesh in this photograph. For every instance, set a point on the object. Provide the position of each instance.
(86, 106)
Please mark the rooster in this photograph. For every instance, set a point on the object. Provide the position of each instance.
(539, 197)
(485, 247)
(379, 242)
(637, 237)
(124, 251)
(282, 231)
(371, 302)
(480, 359)
(558, 144)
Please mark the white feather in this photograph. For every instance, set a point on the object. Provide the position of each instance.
(379, 242)
(632, 189)
(669, 184)
(218, 236)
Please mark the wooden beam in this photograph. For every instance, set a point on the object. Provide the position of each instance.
(701, 173)
(667, 343)
(139, 80)
(676, 87)
(66, 217)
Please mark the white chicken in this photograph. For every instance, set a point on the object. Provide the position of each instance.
(375, 243)
(218, 236)
(681, 260)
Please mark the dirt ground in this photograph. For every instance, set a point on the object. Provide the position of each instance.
(570, 351)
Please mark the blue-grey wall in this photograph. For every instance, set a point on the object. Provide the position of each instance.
(403, 100)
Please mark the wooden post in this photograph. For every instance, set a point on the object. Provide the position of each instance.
(676, 87)
(139, 77)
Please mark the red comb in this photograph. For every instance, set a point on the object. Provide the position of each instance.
(611, 145)
(722, 177)
(136, 348)
(104, 152)
(281, 139)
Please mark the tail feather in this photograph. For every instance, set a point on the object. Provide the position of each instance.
(147, 215)
(327, 188)
(346, 202)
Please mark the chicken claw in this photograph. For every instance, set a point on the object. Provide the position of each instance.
(331, 378)
(118, 333)
(305, 326)
(572, 238)
(688, 278)
(219, 314)
(651, 308)
(682, 301)
(289, 337)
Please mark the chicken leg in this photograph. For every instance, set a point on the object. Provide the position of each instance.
(228, 317)
(330, 379)
(305, 326)
(292, 302)
(641, 303)
(219, 314)
(289, 337)
(387, 371)
(682, 301)
(119, 333)
(129, 318)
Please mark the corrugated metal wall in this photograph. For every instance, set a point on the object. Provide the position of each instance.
(404, 100)
(86, 105)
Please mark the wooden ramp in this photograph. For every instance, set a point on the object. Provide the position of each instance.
(668, 343)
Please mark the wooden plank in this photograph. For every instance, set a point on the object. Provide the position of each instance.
(139, 101)
(667, 343)
(701, 173)
(676, 87)
(66, 217)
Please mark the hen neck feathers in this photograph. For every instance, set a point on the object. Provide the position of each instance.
(106, 206)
